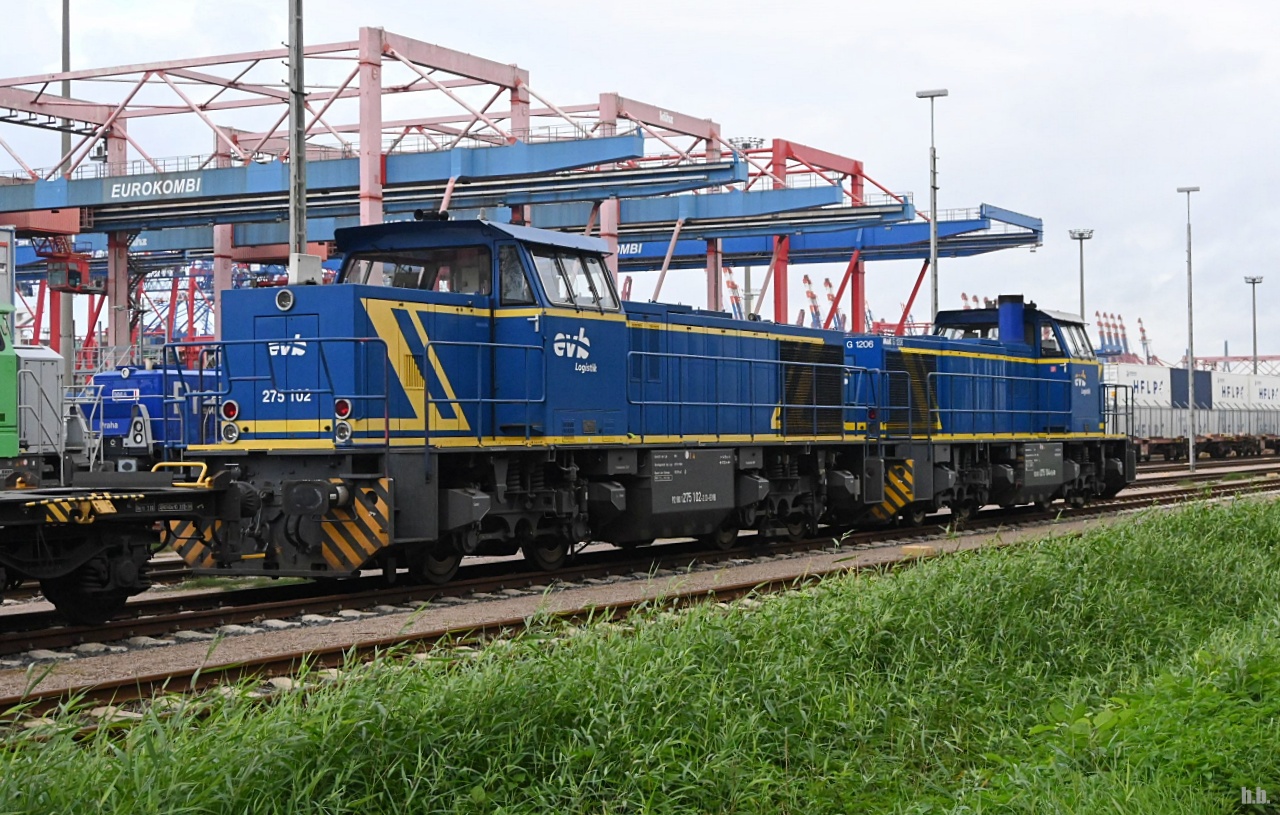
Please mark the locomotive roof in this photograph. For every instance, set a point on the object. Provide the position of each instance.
(409, 234)
(992, 314)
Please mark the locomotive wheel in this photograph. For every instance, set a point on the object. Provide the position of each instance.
(914, 515)
(962, 512)
(546, 553)
(438, 565)
(79, 606)
(797, 527)
(724, 538)
(1042, 504)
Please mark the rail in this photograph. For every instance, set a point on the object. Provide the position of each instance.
(700, 391)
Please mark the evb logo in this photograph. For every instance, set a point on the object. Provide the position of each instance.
(567, 345)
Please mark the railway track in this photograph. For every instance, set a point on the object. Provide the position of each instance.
(491, 581)
(1210, 464)
(159, 616)
(166, 569)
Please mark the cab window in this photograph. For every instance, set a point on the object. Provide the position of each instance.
(515, 286)
(1049, 345)
(459, 269)
(969, 332)
(600, 275)
(1078, 344)
(575, 280)
(553, 279)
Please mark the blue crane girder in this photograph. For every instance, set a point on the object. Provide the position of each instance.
(259, 192)
(958, 238)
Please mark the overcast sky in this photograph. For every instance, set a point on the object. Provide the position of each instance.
(1085, 114)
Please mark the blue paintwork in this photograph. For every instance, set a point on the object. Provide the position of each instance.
(978, 387)
(124, 389)
(458, 369)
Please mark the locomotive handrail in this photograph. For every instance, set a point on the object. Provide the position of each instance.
(1036, 386)
(58, 442)
(484, 365)
(78, 396)
(776, 369)
(893, 414)
(1117, 419)
(224, 377)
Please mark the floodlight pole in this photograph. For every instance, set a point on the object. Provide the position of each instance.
(933, 204)
(297, 135)
(1253, 287)
(1082, 235)
(67, 300)
(1191, 345)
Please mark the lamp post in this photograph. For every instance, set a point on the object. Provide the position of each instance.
(1253, 286)
(1191, 345)
(1081, 235)
(933, 204)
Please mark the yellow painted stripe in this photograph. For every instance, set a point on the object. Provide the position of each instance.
(999, 357)
(902, 486)
(454, 442)
(374, 525)
(448, 442)
(574, 314)
(748, 333)
(1010, 437)
(336, 548)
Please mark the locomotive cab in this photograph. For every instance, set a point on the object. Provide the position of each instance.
(532, 308)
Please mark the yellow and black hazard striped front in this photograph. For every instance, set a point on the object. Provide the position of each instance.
(194, 541)
(80, 509)
(354, 533)
(899, 490)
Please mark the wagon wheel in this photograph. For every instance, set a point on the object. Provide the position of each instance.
(82, 607)
(437, 564)
(1043, 504)
(546, 553)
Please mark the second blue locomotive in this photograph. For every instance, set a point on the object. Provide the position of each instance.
(477, 388)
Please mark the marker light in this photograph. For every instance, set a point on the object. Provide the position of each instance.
(230, 410)
(342, 408)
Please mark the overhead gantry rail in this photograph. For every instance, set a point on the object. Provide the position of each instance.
(395, 125)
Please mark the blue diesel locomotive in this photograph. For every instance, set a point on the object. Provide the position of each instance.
(476, 388)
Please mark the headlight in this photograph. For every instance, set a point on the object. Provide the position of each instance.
(342, 432)
(284, 299)
(230, 433)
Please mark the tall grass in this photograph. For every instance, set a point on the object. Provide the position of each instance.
(1134, 669)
